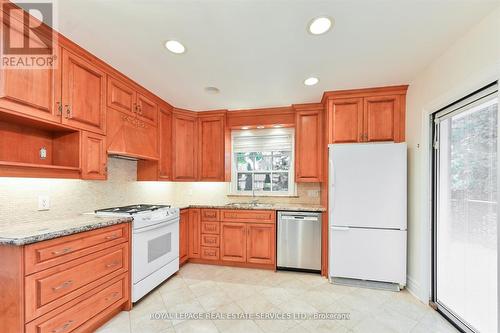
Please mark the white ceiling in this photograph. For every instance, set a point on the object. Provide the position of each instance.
(259, 52)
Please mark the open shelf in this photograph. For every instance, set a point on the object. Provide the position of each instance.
(38, 149)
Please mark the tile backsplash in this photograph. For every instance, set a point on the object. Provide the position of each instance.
(19, 196)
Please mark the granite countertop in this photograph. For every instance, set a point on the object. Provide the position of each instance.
(32, 232)
(261, 206)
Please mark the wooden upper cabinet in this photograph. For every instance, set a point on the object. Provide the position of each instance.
(147, 109)
(381, 118)
(93, 156)
(83, 94)
(346, 120)
(165, 144)
(211, 148)
(120, 96)
(261, 243)
(185, 147)
(367, 115)
(28, 91)
(233, 242)
(308, 145)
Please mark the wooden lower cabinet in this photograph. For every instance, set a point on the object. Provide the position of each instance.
(235, 238)
(261, 243)
(68, 284)
(233, 242)
(183, 236)
(194, 233)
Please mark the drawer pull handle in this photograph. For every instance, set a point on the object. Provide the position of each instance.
(113, 264)
(63, 327)
(64, 285)
(113, 236)
(113, 295)
(63, 251)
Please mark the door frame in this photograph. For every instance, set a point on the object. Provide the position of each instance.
(434, 181)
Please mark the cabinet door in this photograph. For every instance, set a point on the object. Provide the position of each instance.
(120, 96)
(381, 118)
(308, 147)
(261, 243)
(211, 150)
(165, 144)
(183, 236)
(194, 233)
(83, 94)
(185, 143)
(233, 242)
(147, 109)
(346, 120)
(94, 157)
(28, 91)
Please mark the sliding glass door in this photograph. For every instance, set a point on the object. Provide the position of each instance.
(466, 212)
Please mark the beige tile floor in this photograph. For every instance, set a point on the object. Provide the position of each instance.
(205, 288)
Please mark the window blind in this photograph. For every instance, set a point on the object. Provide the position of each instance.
(263, 140)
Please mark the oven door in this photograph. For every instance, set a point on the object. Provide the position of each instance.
(154, 247)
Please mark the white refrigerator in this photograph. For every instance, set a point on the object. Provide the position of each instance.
(367, 212)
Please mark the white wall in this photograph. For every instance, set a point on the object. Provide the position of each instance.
(468, 64)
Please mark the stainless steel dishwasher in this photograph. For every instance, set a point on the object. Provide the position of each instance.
(299, 241)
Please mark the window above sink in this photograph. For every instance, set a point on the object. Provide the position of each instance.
(262, 162)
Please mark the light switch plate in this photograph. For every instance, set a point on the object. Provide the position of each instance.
(43, 202)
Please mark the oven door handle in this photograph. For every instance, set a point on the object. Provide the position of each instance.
(155, 226)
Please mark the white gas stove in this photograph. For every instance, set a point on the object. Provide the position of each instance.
(155, 244)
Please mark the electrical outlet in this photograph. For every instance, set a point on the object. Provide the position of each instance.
(43, 202)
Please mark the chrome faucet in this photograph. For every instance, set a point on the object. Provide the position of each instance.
(254, 201)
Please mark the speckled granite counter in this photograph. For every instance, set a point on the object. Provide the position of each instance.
(263, 206)
(32, 232)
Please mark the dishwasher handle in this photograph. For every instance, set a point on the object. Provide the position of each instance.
(299, 218)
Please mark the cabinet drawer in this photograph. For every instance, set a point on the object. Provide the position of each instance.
(81, 315)
(210, 228)
(210, 215)
(261, 216)
(43, 255)
(50, 288)
(210, 240)
(209, 253)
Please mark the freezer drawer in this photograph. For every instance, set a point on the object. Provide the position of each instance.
(368, 254)
(299, 241)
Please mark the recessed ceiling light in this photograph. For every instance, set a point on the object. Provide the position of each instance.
(212, 90)
(175, 46)
(245, 127)
(260, 127)
(311, 81)
(320, 25)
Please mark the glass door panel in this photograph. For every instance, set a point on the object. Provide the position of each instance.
(466, 221)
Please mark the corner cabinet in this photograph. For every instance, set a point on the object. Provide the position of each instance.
(308, 142)
(366, 115)
(184, 146)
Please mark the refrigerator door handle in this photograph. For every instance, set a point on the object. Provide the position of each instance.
(341, 228)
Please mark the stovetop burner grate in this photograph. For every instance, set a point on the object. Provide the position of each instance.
(132, 209)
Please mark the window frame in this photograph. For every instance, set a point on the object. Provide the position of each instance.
(292, 187)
